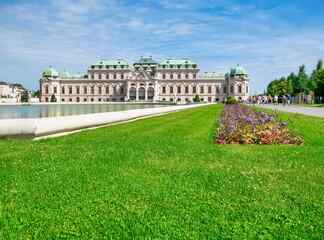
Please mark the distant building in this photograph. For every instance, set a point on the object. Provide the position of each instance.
(147, 80)
(4, 89)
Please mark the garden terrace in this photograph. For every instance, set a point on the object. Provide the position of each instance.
(163, 178)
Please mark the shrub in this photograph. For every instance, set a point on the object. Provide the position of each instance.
(197, 99)
(53, 98)
(114, 99)
(232, 101)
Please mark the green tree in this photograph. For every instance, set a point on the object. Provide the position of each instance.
(36, 94)
(272, 87)
(289, 88)
(197, 99)
(282, 86)
(292, 78)
(24, 96)
(53, 98)
(318, 78)
(302, 81)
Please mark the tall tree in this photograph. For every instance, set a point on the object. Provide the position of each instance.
(289, 88)
(302, 81)
(282, 87)
(318, 78)
(293, 79)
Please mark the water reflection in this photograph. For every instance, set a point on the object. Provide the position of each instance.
(57, 110)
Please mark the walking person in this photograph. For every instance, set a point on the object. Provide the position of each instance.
(275, 99)
(288, 100)
(283, 100)
(269, 99)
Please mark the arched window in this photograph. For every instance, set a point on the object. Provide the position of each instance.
(132, 93)
(150, 93)
(141, 93)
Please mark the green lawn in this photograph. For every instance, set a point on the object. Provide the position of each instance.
(162, 178)
(309, 104)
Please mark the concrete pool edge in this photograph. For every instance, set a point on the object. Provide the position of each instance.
(36, 127)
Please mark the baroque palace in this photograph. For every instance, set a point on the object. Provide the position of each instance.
(147, 80)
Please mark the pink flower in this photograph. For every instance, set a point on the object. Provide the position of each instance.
(222, 142)
(285, 141)
(247, 142)
(266, 133)
(295, 139)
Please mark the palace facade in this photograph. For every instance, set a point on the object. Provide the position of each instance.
(147, 80)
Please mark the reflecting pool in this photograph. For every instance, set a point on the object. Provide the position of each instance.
(59, 110)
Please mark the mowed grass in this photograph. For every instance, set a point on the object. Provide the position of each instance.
(309, 104)
(162, 178)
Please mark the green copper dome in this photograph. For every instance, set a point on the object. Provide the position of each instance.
(227, 74)
(51, 72)
(237, 71)
(64, 74)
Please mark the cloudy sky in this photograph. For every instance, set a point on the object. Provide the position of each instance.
(269, 38)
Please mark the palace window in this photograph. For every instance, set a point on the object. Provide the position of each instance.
(99, 76)
(217, 89)
(171, 89)
(107, 90)
(122, 76)
(92, 76)
(209, 89)
(55, 89)
(163, 76)
(114, 90)
(84, 99)
(85, 90)
(171, 76)
(246, 89)
(92, 89)
(77, 90)
(163, 89)
(99, 90)
(224, 89)
(92, 99)
(63, 100)
(70, 99)
(194, 76)
(122, 90)
(78, 99)
(70, 90)
(115, 76)
(232, 89)
(202, 89)
(187, 89)
(107, 76)
(46, 99)
(179, 89)
(187, 76)
(179, 76)
(239, 89)
(63, 90)
(194, 90)
(46, 89)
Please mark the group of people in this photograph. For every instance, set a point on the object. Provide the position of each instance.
(263, 99)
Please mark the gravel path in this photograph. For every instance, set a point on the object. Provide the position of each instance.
(311, 111)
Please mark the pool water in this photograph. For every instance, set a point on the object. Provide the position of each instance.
(59, 110)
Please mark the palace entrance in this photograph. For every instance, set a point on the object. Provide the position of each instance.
(150, 93)
(132, 93)
(141, 93)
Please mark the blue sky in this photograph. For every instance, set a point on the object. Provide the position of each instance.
(269, 38)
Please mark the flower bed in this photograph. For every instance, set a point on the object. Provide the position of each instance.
(241, 125)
